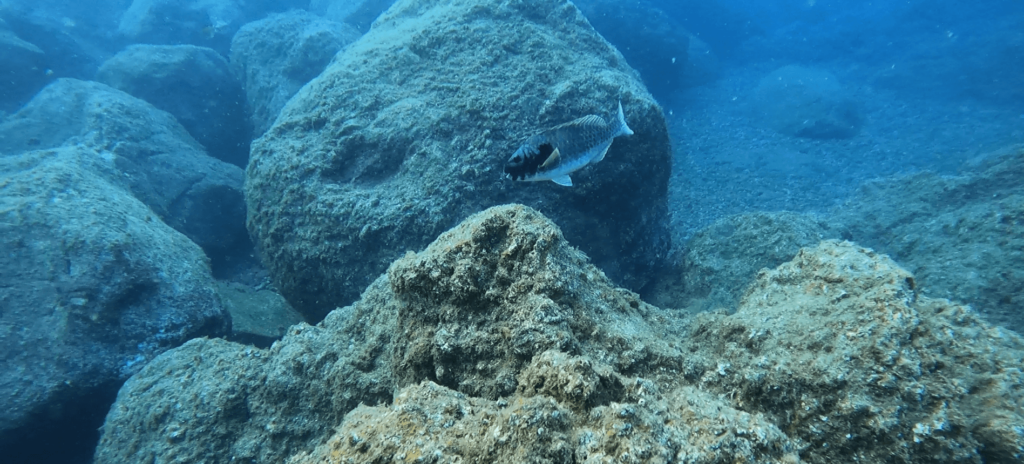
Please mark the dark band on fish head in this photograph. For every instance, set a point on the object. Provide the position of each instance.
(527, 160)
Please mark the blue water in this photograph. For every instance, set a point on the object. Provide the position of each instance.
(933, 84)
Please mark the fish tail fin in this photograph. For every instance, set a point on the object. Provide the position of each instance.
(623, 128)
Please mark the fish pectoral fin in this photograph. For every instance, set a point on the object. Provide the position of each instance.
(601, 156)
(552, 159)
(563, 180)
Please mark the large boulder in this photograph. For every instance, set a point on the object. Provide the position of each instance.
(962, 236)
(275, 56)
(158, 162)
(807, 102)
(470, 313)
(94, 287)
(500, 342)
(195, 84)
(722, 259)
(406, 132)
(841, 350)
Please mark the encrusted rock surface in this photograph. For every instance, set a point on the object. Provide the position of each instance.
(195, 85)
(962, 236)
(275, 56)
(406, 132)
(158, 162)
(258, 317)
(94, 285)
(721, 260)
(839, 349)
(501, 343)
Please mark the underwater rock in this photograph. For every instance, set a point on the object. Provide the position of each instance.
(840, 349)
(207, 23)
(686, 425)
(501, 342)
(807, 102)
(95, 286)
(472, 312)
(275, 56)
(258, 317)
(195, 85)
(158, 162)
(406, 132)
(962, 236)
(721, 260)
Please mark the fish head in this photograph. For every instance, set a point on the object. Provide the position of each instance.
(517, 159)
(527, 161)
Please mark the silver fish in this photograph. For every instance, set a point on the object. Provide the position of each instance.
(563, 149)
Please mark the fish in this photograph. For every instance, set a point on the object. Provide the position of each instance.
(566, 148)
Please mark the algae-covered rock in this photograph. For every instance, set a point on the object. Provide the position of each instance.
(838, 348)
(94, 286)
(486, 297)
(158, 162)
(721, 260)
(807, 102)
(501, 343)
(962, 236)
(195, 84)
(832, 357)
(206, 23)
(275, 56)
(685, 426)
(470, 313)
(406, 132)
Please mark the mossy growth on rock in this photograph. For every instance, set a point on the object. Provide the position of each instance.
(500, 342)
(406, 131)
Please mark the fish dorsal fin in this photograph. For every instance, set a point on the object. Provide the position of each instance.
(551, 161)
(563, 180)
(623, 128)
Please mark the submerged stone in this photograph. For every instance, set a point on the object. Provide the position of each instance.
(94, 287)
(195, 85)
(807, 102)
(500, 342)
(406, 131)
(277, 55)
